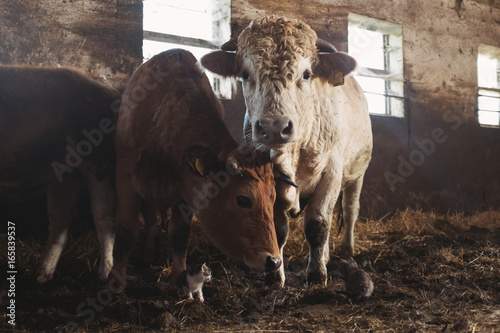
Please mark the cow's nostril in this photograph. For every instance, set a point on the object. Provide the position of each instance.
(287, 130)
(272, 263)
(260, 130)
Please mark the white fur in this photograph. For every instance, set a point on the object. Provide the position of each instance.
(331, 152)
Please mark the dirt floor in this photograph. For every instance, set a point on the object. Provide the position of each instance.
(432, 273)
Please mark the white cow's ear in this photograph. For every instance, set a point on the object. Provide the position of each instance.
(223, 63)
(333, 67)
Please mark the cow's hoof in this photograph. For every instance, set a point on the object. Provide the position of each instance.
(116, 286)
(172, 283)
(316, 277)
(44, 277)
(347, 252)
(104, 271)
(118, 277)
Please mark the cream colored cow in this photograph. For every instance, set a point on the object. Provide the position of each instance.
(303, 105)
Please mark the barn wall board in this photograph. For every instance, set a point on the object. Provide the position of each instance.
(101, 38)
(437, 157)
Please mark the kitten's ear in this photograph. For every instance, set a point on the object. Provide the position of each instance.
(204, 266)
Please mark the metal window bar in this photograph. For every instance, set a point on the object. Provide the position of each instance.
(489, 93)
(387, 95)
(387, 67)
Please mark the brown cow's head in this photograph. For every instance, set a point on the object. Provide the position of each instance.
(233, 198)
(282, 65)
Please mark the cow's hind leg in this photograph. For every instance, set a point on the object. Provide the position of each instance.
(350, 212)
(102, 199)
(317, 223)
(127, 228)
(61, 199)
(178, 232)
(150, 227)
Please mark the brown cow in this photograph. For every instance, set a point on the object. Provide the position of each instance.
(175, 152)
(55, 127)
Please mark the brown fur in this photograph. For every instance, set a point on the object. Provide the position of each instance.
(39, 109)
(44, 113)
(169, 121)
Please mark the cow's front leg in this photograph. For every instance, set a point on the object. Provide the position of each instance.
(61, 199)
(317, 223)
(178, 233)
(281, 226)
(350, 212)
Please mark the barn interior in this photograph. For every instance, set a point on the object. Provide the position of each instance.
(433, 79)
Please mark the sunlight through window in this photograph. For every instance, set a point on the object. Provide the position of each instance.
(377, 46)
(198, 26)
(488, 81)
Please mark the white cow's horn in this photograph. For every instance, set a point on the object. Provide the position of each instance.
(324, 46)
(231, 45)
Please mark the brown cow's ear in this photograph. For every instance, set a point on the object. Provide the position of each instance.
(222, 63)
(202, 160)
(333, 67)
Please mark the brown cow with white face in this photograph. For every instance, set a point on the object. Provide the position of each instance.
(174, 152)
(303, 106)
(56, 137)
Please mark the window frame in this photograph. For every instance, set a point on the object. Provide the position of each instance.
(223, 12)
(485, 91)
(393, 72)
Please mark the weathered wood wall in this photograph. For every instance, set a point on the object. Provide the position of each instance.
(102, 38)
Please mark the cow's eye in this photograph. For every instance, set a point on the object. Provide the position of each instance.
(245, 76)
(243, 201)
(306, 76)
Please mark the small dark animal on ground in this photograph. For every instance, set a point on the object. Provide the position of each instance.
(358, 283)
(191, 281)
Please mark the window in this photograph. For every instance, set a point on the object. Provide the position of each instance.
(488, 81)
(198, 26)
(378, 48)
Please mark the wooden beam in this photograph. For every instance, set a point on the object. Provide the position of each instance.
(174, 39)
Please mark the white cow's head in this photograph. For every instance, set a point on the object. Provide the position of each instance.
(278, 62)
